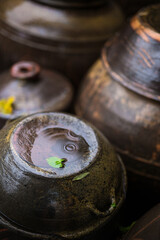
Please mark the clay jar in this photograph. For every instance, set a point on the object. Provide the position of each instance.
(147, 227)
(70, 201)
(121, 96)
(63, 35)
(34, 90)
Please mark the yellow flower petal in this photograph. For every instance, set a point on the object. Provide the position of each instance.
(6, 105)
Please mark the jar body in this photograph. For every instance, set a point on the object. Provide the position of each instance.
(64, 39)
(120, 96)
(130, 121)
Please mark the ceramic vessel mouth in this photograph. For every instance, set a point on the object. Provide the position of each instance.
(132, 57)
(42, 140)
(72, 3)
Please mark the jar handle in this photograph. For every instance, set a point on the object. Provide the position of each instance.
(106, 213)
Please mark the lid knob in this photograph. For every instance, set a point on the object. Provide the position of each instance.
(25, 70)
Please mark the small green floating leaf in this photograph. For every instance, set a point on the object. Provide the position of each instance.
(81, 176)
(113, 205)
(56, 162)
(126, 229)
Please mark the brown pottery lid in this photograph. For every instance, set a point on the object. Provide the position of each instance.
(34, 90)
(133, 56)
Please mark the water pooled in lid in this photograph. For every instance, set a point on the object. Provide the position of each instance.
(54, 148)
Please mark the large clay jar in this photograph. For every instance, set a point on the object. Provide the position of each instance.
(59, 177)
(121, 96)
(63, 35)
(147, 227)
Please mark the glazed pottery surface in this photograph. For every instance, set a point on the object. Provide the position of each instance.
(34, 90)
(70, 201)
(56, 34)
(132, 57)
(121, 96)
(129, 120)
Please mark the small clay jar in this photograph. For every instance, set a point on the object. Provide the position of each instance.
(61, 175)
(64, 35)
(147, 227)
(121, 96)
(33, 90)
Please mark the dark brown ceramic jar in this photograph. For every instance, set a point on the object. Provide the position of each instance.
(121, 96)
(62, 177)
(63, 35)
(147, 227)
(33, 90)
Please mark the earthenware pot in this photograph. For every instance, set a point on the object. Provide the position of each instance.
(33, 90)
(121, 96)
(63, 35)
(61, 175)
(147, 227)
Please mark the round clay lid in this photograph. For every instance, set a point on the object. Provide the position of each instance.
(27, 89)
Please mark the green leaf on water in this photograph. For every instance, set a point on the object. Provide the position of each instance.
(81, 176)
(56, 162)
(126, 229)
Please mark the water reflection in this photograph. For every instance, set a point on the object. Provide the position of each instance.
(57, 142)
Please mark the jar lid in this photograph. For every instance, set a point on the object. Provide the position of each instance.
(133, 56)
(33, 90)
